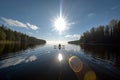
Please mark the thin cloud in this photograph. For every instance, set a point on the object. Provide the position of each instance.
(72, 23)
(17, 23)
(91, 14)
(12, 22)
(76, 36)
(115, 7)
(34, 27)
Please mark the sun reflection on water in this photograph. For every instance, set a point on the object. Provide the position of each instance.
(60, 57)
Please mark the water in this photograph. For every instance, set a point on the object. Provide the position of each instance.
(70, 62)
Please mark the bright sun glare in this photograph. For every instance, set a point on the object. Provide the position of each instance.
(60, 24)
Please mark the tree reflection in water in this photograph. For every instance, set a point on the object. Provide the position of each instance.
(106, 54)
(14, 47)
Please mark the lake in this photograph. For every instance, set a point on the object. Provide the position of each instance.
(70, 62)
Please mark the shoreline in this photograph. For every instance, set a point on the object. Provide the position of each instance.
(95, 44)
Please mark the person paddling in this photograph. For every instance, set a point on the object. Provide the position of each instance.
(59, 46)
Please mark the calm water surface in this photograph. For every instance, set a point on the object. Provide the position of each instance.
(70, 62)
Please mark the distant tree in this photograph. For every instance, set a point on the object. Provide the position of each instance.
(10, 35)
(2, 35)
(109, 34)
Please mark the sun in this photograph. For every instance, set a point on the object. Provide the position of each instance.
(60, 24)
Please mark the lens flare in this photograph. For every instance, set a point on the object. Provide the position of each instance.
(90, 75)
(75, 63)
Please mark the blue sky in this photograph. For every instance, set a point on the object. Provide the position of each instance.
(36, 17)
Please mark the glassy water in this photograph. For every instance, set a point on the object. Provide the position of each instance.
(70, 62)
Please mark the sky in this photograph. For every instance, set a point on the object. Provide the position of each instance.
(37, 17)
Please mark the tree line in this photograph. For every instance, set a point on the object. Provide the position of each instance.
(8, 35)
(109, 34)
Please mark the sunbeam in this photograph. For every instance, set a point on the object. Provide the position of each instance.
(60, 23)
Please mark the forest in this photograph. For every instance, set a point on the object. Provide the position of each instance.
(9, 36)
(109, 34)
